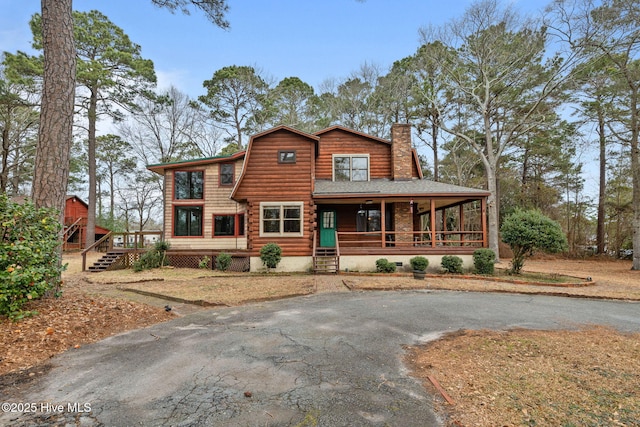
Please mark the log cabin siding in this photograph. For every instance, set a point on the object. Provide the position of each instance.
(340, 142)
(415, 173)
(267, 180)
(216, 201)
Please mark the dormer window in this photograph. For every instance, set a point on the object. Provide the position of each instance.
(351, 167)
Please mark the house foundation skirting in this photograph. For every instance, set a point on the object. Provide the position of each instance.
(363, 263)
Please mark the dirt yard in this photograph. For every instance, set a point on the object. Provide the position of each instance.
(505, 378)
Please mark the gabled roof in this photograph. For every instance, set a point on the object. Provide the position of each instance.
(344, 129)
(310, 137)
(390, 188)
(161, 167)
(414, 153)
(76, 198)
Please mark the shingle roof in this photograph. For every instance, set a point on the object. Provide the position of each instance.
(392, 188)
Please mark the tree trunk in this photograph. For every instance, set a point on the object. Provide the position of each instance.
(434, 142)
(603, 184)
(635, 170)
(4, 173)
(91, 151)
(112, 197)
(51, 171)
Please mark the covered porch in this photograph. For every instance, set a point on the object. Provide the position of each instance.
(403, 226)
(405, 219)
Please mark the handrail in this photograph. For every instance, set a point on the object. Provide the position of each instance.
(337, 245)
(84, 252)
(314, 243)
(70, 229)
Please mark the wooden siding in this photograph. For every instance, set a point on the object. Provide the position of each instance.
(216, 201)
(267, 180)
(340, 142)
(414, 167)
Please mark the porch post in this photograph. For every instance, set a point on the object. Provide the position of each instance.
(461, 225)
(383, 221)
(432, 219)
(483, 211)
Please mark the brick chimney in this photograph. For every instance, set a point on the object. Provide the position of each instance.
(401, 151)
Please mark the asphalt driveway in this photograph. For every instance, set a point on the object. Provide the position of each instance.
(326, 360)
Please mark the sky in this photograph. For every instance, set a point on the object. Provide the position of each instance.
(314, 40)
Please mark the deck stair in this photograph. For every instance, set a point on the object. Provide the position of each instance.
(69, 230)
(326, 260)
(106, 262)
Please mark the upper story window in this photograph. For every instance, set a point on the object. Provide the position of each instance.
(188, 184)
(285, 156)
(350, 167)
(227, 171)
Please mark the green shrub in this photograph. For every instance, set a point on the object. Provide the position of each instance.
(204, 263)
(29, 255)
(452, 264)
(271, 254)
(223, 261)
(419, 263)
(384, 266)
(530, 230)
(153, 258)
(484, 260)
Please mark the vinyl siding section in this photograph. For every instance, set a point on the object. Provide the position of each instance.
(216, 201)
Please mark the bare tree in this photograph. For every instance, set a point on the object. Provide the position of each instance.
(168, 128)
(498, 67)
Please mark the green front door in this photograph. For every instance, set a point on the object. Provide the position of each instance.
(328, 229)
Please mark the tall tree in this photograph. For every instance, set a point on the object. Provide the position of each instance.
(18, 128)
(115, 163)
(233, 96)
(51, 170)
(609, 29)
(431, 97)
(596, 95)
(290, 104)
(498, 67)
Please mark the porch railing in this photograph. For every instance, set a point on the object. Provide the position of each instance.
(410, 239)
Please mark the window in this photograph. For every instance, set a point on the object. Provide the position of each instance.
(286, 156)
(188, 184)
(187, 221)
(226, 173)
(368, 220)
(351, 167)
(228, 225)
(281, 218)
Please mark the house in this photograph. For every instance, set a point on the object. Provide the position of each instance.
(334, 200)
(75, 224)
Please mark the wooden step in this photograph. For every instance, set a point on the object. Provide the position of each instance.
(106, 261)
